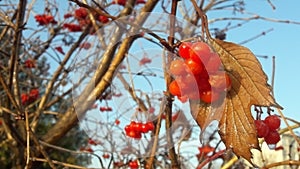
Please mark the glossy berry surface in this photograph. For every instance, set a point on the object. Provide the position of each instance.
(200, 52)
(209, 96)
(133, 164)
(193, 66)
(261, 128)
(184, 50)
(273, 137)
(273, 122)
(177, 67)
(174, 88)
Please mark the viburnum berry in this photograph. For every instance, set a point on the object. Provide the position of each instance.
(174, 88)
(184, 50)
(194, 67)
(24, 98)
(117, 122)
(92, 142)
(178, 67)
(81, 13)
(214, 63)
(72, 27)
(29, 63)
(209, 96)
(133, 164)
(106, 156)
(273, 137)
(261, 128)
(273, 122)
(150, 126)
(103, 19)
(220, 81)
(200, 52)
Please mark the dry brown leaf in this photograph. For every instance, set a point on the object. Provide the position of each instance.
(249, 87)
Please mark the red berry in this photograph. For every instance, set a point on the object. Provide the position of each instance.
(117, 122)
(105, 156)
(261, 128)
(184, 50)
(29, 63)
(174, 88)
(150, 126)
(81, 13)
(138, 127)
(128, 128)
(34, 94)
(273, 137)
(103, 19)
(144, 128)
(213, 63)
(133, 164)
(24, 98)
(177, 67)
(209, 96)
(273, 122)
(220, 81)
(195, 67)
(92, 142)
(134, 134)
(200, 52)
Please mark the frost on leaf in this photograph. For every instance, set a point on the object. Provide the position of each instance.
(249, 87)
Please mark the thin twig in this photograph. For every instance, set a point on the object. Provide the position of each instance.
(59, 163)
(27, 139)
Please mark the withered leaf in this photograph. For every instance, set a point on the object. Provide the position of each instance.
(249, 87)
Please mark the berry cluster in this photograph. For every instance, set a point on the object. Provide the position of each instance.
(135, 129)
(45, 19)
(29, 64)
(102, 109)
(133, 164)
(268, 129)
(199, 68)
(31, 97)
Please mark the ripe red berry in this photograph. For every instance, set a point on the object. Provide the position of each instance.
(177, 67)
(92, 142)
(134, 134)
(106, 156)
(184, 50)
(214, 63)
(195, 67)
(200, 52)
(117, 122)
(261, 128)
(209, 96)
(273, 137)
(220, 81)
(150, 126)
(144, 128)
(133, 164)
(273, 122)
(24, 98)
(81, 13)
(174, 88)
(103, 19)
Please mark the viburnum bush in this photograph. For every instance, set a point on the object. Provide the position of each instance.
(133, 84)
